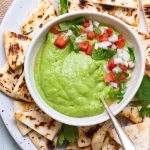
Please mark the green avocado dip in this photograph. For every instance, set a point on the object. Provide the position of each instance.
(80, 63)
(72, 83)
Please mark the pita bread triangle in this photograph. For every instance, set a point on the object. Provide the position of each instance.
(110, 144)
(146, 9)
(41, 142)
(138, 133)
(24, 130)
(15, 47)
(8, 79)
(33, 117)
(44, 12)
(21, 91)
(130, 16)
(120, 3)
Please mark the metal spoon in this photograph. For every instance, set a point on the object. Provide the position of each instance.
(125, 140)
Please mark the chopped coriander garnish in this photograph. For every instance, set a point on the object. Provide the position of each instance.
(131, 52)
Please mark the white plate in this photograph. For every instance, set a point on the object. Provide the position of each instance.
(16, 15)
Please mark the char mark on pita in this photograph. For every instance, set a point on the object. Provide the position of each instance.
(147, 11)
(107, 7)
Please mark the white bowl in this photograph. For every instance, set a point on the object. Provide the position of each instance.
(133, 84)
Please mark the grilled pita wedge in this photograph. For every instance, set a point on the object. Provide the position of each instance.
(21, 91)
(41, 142)
(110, 144)
(24, 130)
(85, 135)
(76, 5)
(132, 113)
(138, 133)
(146, 9)
(8, 79)
(44, 12)
(120, 3)
(99, 136)
(75, 147)
(129, 16)
(33, 117)
(15, 46)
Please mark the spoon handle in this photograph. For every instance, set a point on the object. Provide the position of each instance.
(125, 140)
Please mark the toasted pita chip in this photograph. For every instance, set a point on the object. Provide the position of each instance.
(15, 46)
(8, 79)
(146, 8)
(132, 113)
(76, 5)
(99, 136)
(41, 142)
(129, 16)
(110, 144)
(33, 117)
(21, 91)
(138, 133)
(24, 130)
(120, 3)
(85, 135)
(44, 12)
(75, 147)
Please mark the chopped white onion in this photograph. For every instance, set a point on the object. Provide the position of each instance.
(81, 38)
(103, 45)
(69, 33)
(126, 55)
(113, 38)
(96, 23)
(119, 53)
(118, 60)
(117, 69)
(113, 47)
(90, 28)
(131, 64)
(113, 84)
(105, 69)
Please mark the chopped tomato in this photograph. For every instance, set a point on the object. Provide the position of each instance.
(61, 41)
(54, 29)
(103, 37)
(124, 68)
(83, 45)
(90, 35)
(109, 31)
(110, 77)
(86, 24)
(120, 37)
(119, 44)
(89, 50)
(111, 64)
(122, 77)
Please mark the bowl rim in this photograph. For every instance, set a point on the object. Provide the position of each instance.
(71, 120)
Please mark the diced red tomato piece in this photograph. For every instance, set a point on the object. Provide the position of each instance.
(111, 64)
(89, 50)
(120, 37)
(122, 77)
(103, 37)
(119, 44)
(90, 35)
(110, 77)
(109, 31)
(61, 41)
(124, 68)
(54, 29)
(83, 45)
(86, 24)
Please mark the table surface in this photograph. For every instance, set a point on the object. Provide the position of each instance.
(6, 141)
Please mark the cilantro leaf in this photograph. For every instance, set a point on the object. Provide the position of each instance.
(145, 111)
(68, 133)
(75, 47)
(131, 52)
(143, 92)
(63, 6)
(102, 53)
(96, 29)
